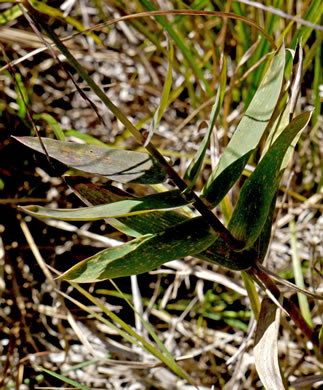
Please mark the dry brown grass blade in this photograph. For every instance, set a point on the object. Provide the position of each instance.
(266, 346)
(229, 15)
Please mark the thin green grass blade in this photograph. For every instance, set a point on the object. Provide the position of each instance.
(58, 131)
(313, 15)
(87, 138)
(23, 100)
(147, 326)
(196, 164)
(248, 133)
(256, 196)
(81, 365)
(162, 201)
(299, 280)
(264, 47)
(122, 329)
(42, 7)
(317, 81)
(64, 378)
(119, 165)
(165, 95)
(252, 293)
(180, 43)
(10, 14)
(145, 253)
(126, 330)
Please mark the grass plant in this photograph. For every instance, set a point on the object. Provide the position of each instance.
(179, 129)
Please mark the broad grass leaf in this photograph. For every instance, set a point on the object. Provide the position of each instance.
(136, 226)
(119, 165)
(287, 113)
(253, 206)
(145, 253)
(248, 133)
(196, 164)
(161, 201)
(266, 348)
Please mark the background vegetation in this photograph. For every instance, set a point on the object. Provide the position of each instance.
(196, 309)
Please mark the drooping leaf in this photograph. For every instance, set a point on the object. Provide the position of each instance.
(161, 201)
(266, 349)
(248, 133)
(145, 253)
(256, 196)
(164, 99)
(119, 165)
(219, 252)
(196, 164)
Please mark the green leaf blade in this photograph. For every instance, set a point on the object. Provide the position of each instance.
(161, 201)
(135, 226)
(145, 253)
(248, 133)
(218, 253)
(256, 196)
(119, 165)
